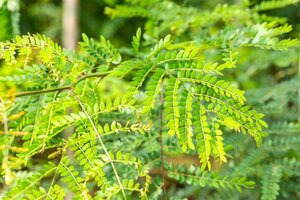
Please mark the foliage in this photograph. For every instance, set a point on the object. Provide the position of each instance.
(280, 103)
(130, 108)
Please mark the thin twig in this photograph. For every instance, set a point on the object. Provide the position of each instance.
(161, 138)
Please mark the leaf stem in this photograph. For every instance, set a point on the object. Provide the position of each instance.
(102, 144)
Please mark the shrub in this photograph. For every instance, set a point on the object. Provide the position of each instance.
(131, 109)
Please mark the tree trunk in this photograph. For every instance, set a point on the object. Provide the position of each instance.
(69, 41)
(70, 24)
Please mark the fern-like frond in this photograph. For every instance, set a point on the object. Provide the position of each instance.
(254, 157)
(163, 43)
(195, 176)
(172, 106)
(24, 187)
(270, 180)
(264, 37)
(126, 11)
(85, 151)
(75, 183)
(273, 4)
(102, 50)
(136, 40)
(203, 136)
(126, 67)
(50, 53)
(185, 121)
(152, 90)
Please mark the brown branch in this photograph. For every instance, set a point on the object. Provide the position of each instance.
(66, 87)
(20, 94)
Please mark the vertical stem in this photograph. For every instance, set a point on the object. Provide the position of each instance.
(70, 24)
(299, 89)
(102, 144)
(161, 138)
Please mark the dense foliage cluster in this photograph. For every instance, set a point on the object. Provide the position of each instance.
(132, 110)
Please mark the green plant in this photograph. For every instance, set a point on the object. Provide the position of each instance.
(130, 109)
(279, 103)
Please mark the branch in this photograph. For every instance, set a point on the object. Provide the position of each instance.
(43, 91)
(66, 87)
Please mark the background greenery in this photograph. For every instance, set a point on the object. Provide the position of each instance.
(270, 77)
